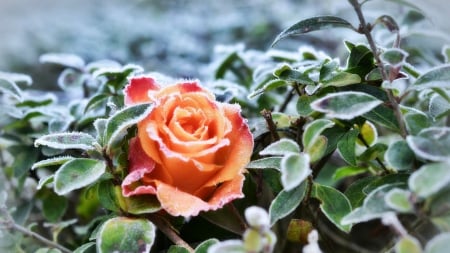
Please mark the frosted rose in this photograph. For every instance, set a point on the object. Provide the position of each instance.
(190, 151)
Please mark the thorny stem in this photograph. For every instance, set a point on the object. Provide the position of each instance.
(170, 232)
(10, 224)
(365, 29)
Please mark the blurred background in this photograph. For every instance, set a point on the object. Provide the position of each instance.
(174, 37)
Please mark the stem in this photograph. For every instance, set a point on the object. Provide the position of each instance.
(365, 29)
(270, 124)
(170, 232)
(288, 99)
(10, 224)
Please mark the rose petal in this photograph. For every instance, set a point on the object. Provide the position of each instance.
(179, 203)
(237, 156)
(137, 90)
(131, 185)
(137, 157)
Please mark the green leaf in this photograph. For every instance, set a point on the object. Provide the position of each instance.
(265, 163)
(438, 244)
(84, 248)
(77, 174)
(360, 60)
(430, 179)
(281, 147)
(431, 144)
(71, 79)
(10, 88)
(346, 105)
(399, 200)
(408, 244)
(313, 131)
(52, 162)
(438, 107)
(355, 193)
(54, 207)
(67, 60)
(45, 180)
(318, 149)
(384, 116)
(225, 219)
(139, 204)
(117, 125)
(394, 56)
(398, 178)
(346, 146)
(334, 204)
(285, 203)
(205, 245)
(304, 105)
(106, 192)
(373, 152)
(438, 211)
(399, 156)
(415, 122)
(72, 140)
(313, 24)
(285, 72)
(177, 249)
(294, 170)
(340, 79)
(272, 84)
(229, 246)
(122, 234)
(374, 206)
(348, 171)
(438, 77)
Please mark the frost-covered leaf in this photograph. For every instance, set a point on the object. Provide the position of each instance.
(117, 125)
(431, 144)
(9, 87)
(122, 234)
(399, 200)
(204, 246)
(415, 122)
(231, 246)
(438, 77)
(355, 193)
(71, 79)
(77, 173)
(430, 179)
(348, 171)
(438, 244)
(346, 105)
(257, 217)
(84, 248)
(313, 24)
(339, 79)
(272, 84)
(369, 133)
(438, 107)
(285, 203)
(287, 73)
(44, 181)
(394, 56)
(304, 105)
(347, 146)
(72, 140)
(313, 131)
(16, 77)
(52, 162)
(281, 147)
(54, 207)
(399, 156)
(408, 244)
(67, 60)
(294, 170)
(374, 206)
(334, 204)
(265, 163)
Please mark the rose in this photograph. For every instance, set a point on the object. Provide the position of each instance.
(190, 150)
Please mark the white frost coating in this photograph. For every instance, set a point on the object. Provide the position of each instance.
(363, 103)
(281, 147)
(313, 245)
(293, 176)
(59, 141)
(257, 217)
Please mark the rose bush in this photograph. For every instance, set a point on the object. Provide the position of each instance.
(190, 151)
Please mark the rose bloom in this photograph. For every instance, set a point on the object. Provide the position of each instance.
(190, 150)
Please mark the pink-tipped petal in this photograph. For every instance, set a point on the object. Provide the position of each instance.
(137, 90)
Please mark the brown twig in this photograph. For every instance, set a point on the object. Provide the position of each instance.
(366, 30)
(270, 124)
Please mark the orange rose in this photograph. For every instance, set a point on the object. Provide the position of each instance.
(190, 150)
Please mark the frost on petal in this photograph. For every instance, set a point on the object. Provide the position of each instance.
(132, 185)
(178, 203)
(137, 90)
